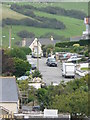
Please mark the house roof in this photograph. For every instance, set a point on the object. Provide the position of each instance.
(8, 89)
(43, 41)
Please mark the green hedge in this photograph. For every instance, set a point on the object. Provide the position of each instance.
(68, 44)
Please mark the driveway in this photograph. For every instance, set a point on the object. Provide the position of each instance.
(50, 74)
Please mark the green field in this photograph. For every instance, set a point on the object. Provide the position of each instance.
(82, 6)
(7, 13)
(74, 27)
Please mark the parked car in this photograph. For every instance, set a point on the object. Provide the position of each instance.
(36, 108)
(33, 66)
(51, 62)
(73, 58)
(35, 55)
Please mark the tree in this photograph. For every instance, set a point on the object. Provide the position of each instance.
(17, 52)
(21, 67)
(7, 64)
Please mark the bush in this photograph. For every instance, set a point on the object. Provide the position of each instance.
(68, 44)
(41, 22)
(57, 49)
(25, 34)
(17, 52)
(36, 74)
(26, 50)
(62, 11)
(21, 67)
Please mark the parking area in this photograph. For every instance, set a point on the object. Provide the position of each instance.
(50, 74)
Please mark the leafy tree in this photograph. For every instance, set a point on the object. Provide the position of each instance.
(21, 67)
(17, 52)
(26, 50)
(7, 64)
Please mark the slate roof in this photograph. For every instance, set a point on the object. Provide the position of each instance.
(43, 41)
(8, 89)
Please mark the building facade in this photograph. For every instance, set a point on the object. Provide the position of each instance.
(86, 34)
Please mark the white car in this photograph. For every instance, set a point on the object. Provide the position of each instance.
(73, 58)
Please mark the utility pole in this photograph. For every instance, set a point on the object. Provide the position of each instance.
(10, 37)
(37, 54)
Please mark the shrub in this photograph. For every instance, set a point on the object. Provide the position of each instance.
(21, 66)
(36, 74)
(25, 34)
(17, 52)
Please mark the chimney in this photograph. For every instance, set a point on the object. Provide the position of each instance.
(24, 42)
(51, 38)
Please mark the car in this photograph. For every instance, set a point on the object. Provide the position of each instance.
(35, 55)
(73, 58)
(51, 62)
(36, 108)
(33, 66)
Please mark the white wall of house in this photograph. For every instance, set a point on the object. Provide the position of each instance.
(12, 107)
(35, 85)
(34, 45)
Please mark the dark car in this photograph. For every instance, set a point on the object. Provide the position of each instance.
(51, 62)
(36, 108)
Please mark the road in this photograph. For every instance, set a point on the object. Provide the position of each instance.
(50, 74)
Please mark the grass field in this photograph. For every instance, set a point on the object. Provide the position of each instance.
(7, 13)
(82, 6)
(74, 27)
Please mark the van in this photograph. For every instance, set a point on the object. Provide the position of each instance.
(68, 70)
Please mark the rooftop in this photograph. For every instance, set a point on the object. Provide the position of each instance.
(8, 89)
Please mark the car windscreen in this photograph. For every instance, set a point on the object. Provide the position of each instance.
(52, 60)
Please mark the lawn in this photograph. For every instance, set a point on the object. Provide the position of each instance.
(85, 69)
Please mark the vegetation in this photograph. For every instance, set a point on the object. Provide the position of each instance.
(36, 73)
(62, 11)
(25, 34)
(71, 97)
(8, 13)
(85, 69)
(17, 52)
(14, 64)
(68, 44)
(73, 27)
(21, 67)
(44, 22)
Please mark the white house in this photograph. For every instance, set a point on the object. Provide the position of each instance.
(33, 43)
(9, 101)
(36, 46)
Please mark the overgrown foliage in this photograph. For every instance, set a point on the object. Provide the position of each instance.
(42, 22)
(13, 64)
(69, 97)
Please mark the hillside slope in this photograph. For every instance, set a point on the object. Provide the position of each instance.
(74, 27)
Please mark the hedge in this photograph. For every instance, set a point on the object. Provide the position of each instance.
(68, 44)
